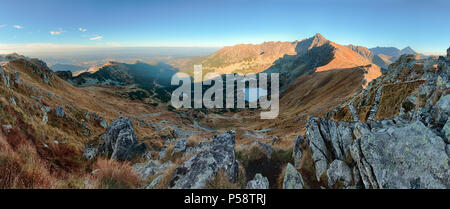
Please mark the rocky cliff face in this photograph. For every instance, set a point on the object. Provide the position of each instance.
(400, 140)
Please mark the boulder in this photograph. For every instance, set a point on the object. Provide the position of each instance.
(162, 153)
(151, 168)
(446, 131)
(179, 146)
(339, 171)
(155, 182)
(321, 132)
(103, 122)
(292, 178)
(442, 109)
(297, 152)
(120, 140)
(90, 151)
(259, 182)
(13, 101)
(412, 157)
(203, 167)
(59, 112)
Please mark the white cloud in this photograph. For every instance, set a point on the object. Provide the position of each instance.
(58, 32)
(96, 38)
(82, 29)
(17, 27)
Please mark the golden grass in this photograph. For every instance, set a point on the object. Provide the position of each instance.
(112, 174)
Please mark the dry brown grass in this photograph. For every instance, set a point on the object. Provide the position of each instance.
(167, 178)
(112, 174)
(392, 97)
(221, 181)
(21, 167)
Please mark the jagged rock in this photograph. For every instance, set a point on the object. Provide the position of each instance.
(203, 167)
(339, 171)
(412, 157)
(266, 149)
(4, 77)
(103, 123)
(162, 153)
(374, 109)
(151, 168)
(154, 183)
(275, 139)
(179, 146)
(292, 178)
(90, 151)
(45, 118)
(120, 140)
(446, 131)
(59, 112)
(447, 149)
(13, 101)
(442, 109)
(259, 182)
(17, 78)
(357, 178)
(319, 133)
(297, 152)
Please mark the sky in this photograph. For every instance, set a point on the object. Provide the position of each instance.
(50, 25)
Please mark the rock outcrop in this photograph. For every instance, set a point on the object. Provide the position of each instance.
(297, 153)
(323, 133)
(201, 168)
(119, 142)
(388, 149)
(410, 156)
(259, 182)
(292, 178)
(339, 171)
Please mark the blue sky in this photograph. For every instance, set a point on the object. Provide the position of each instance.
(69, 24)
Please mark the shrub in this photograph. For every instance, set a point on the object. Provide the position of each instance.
(221, 181)
(112, 174)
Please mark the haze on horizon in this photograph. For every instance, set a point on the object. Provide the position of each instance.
(54, 27)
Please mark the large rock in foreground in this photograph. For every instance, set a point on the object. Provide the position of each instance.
(408, 157)
(120, 140)
(217, 155)
(292, 178)
(259, 182)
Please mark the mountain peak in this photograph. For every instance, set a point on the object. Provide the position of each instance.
(318, 38)
(408, 50)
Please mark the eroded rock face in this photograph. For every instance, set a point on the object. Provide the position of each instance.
(259, 182)
(339, 171)
(297, 153)
(120, 140)
(411, 156)
(203, 167)
(323, 133)
(151, 168)
(292, 178)
(179, 146)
